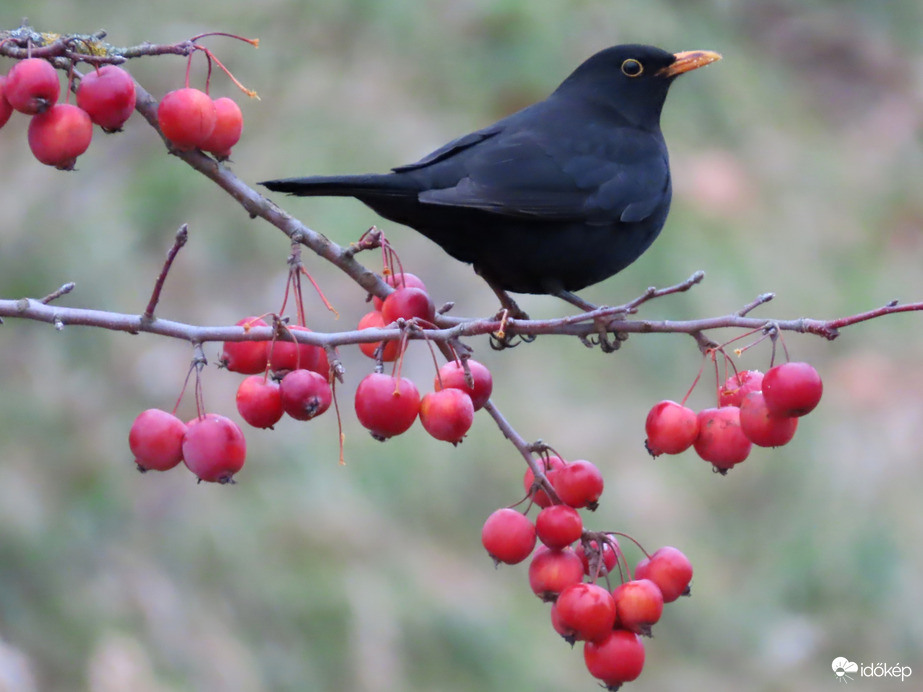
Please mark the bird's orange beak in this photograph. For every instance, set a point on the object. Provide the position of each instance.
(688, 60)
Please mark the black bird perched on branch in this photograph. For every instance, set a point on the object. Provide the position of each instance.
(554, 198)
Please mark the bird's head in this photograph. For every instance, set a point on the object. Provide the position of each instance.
(632, 79)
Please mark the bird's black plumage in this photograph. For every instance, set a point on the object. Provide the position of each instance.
(553, 198)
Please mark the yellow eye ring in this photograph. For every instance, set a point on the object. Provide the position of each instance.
(632, 68)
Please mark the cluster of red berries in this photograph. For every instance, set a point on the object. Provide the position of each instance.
(753, 409)
(191, 119)
(60, 132)
(212, 446)
(565, 570)
(288, 377)
(387, 405)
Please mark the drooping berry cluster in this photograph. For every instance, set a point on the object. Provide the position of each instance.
(212, 446)
(566, 568)
(752, 409)
(60, 132)
(191, 119)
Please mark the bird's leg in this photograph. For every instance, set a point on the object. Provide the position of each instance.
(602, 323)
(508, 310)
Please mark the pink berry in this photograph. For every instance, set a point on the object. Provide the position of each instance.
(187, 117)
(447, 414)
(229, 124)
(720, 440)
(214, 448)
(259, 401)
(792, 389)
(108, 96)
(59, 135)
(452, 375)
(508, 536)
(32, 86)
(156, 440)
(671, 428)
(761, 427)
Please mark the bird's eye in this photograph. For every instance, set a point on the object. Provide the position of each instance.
(632, 68)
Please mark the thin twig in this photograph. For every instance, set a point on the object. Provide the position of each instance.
(182, 235)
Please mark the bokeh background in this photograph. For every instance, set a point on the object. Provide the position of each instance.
(797, 164)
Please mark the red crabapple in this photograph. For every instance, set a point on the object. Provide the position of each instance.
(579, 484)
(399, 280)
(508, 536)
(639, 603)
(447, 415)
(291, 355)
(259, 401)
(671, 428)
(385, 405)
(390, 352)
(738, 385)
(156, 440)
(229, 124)
(59, 135)
(720, 439)
(305, 394)
(552, 571)
(246, 357)
(408, 303)
(558, 526)
(616, 659)
(452, 375)
(6, 110)
(609, 557)
(186, 117)
(214, 448)
(107, 94)
(32, 86)
(549, 466)
(669, 569)
(761, 427)
(792, 389)
(586, 611)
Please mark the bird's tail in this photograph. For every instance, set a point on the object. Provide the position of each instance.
(340, 185)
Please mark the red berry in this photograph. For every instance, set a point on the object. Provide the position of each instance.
(579, 484)
(156, 440)
(385, 405)
(640, 604)
(609, 558)
(720, 439)
(408, 303)
(108, 96)
(671, 428)
(187, 117)
(59, 135)
(305, 394)
(229, 124)
(452, 376)
(6, 110)
(447, 415)
(586, 611)
(616, 659)
(214, 448)
(549, 465)
(259, 401)
(291, 355)
(761, 427)
(552, 571)
(246, 357)
(792, 389)
(558, 526)
(738, 385)
(669, 569)
(508, 536)
(399, 280)
(32, 86)
(374, 320)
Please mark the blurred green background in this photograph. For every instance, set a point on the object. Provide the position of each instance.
(797, 165)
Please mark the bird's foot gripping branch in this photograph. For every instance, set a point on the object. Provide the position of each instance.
(504, 179)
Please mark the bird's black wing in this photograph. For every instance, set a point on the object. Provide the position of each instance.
(596, 177)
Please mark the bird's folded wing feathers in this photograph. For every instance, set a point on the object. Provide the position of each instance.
(519, 176)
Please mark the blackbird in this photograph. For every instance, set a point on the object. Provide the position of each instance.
(554, 198)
